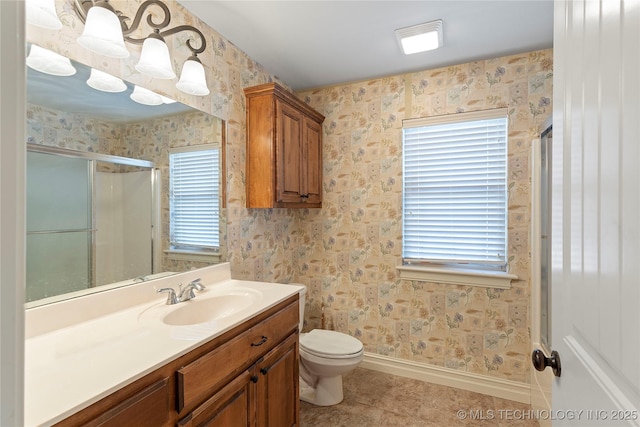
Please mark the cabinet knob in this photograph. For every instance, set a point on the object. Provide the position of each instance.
(264, 371)
(304, 196)
(254, 379)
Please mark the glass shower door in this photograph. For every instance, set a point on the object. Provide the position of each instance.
(59, 225)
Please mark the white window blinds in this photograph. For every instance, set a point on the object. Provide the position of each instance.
(194, 176)
(455, 189)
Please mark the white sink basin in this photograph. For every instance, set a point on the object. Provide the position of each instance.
(208, 309)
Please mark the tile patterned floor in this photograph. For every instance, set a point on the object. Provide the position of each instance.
(375, 399)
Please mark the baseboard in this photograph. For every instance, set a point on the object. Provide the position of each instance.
(497, 387)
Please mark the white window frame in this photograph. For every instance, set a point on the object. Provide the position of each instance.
(181, 250)
(485, 272)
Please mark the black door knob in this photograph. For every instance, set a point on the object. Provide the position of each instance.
(540, 361)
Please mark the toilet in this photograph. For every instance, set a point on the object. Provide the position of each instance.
(324, 357)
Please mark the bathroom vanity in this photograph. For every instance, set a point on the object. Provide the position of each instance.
(227, 358)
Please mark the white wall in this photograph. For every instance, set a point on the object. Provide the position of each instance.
(12, 211)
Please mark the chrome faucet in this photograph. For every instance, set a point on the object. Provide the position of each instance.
(185, 293)
(171, 297)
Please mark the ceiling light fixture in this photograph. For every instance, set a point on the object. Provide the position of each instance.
(42, 13)
(105, 82)
(145, 96)
(48, 62)
(109, 30)
(421, 37)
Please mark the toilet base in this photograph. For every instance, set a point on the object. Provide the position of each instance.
(328, 392)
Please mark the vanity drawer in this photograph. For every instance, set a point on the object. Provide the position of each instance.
(204, 376)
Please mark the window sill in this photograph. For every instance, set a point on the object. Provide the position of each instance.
(195, 256)
(481, 278)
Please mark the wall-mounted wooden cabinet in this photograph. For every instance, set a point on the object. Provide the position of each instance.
(284, 150)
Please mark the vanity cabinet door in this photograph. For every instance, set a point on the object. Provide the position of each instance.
(289, 162)
(232, 406)
(312, 166)
(277, 401)
(148, 407)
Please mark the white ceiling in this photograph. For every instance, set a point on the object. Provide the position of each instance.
(310, 44)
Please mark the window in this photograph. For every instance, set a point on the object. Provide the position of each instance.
(455, 190)
(194, 198)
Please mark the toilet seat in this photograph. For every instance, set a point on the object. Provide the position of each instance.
(330, 344)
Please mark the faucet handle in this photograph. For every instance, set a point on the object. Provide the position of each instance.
(172, 298)
(197, 285)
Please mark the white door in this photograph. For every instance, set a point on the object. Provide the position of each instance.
(596, 213)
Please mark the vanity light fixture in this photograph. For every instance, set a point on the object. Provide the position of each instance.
(421, 37)
(154, 58)
(192, 79)
(166, 100)
(102, 32)
(145, 96)
(106, 30)
(48, 62)
(105, 82)
(42, 13)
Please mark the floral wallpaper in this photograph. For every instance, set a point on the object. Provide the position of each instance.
(46, 126)
(348, 251)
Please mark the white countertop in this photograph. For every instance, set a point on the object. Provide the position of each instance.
(70, 367)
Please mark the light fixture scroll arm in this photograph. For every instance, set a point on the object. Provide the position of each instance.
(203, 42)
(82, 7)
(138, 18)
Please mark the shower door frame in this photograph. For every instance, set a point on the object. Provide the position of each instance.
(92, 158)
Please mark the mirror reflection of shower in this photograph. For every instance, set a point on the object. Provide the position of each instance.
(91, 220)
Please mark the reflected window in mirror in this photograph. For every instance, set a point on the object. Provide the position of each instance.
(194, 199)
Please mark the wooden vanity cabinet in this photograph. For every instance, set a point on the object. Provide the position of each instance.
(284, 150)
(231, 406)
(262, 396)
(277, 399)
(247, 377)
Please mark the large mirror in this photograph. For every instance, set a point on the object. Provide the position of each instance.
(98, 187)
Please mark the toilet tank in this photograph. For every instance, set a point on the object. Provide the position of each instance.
(302, 295)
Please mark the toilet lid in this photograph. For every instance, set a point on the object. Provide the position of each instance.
(330, 343)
